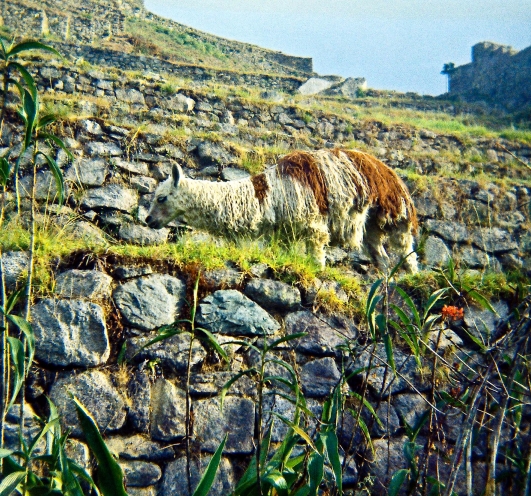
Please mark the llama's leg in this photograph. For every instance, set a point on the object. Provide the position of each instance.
(374, 238)
(317, 238)
(401, 239)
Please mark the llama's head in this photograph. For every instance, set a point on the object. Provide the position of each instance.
(169, 203)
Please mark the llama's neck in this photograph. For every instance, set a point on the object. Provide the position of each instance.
(220, 208)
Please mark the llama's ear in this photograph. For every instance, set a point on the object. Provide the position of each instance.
(176, 175)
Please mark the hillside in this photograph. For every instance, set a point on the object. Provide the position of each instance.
(136, 94)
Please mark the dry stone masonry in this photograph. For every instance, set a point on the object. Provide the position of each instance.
(93, 328)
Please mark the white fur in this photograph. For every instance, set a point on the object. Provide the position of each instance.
(231, 209)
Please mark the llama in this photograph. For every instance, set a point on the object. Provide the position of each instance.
(336, 197)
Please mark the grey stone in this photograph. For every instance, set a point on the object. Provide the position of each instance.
(387, 458)
(88, 172)
(511, 261)
(444, 339)
(214, 154)
(102, 149)
(314, 85)
(139, 393)
(171, 352)
(230, 312)
(285, 408)
(125, 272)
(181, 103)
(12, 428)
(79, 452)
(204, 107)
(144, 184)
(130, 96)
(15, 267)
(95, 391)
(335, 255)
(377, 358)
(233, 174)
(426, 206)
(493, 240)
(482, 323)
(474, 258)
(168, 411)
(46, 187)
(436, 252)
(70, 332)
(319, 377)
(323, 289)
(410, 407)
(212, 383)
(390, 423)
(450, 231)
(142, 491)
(322, 338)
(138, 447)
(223, 278)
(284, 119)
(348, 88)
(140, 474)
(143, 235)
(150, 302)
(237, 420)
(113, 196)
(91, 127)
(132, 167)
(90, 284)
(88, 232)
(273, 294)
(175, 476)
(511, 220)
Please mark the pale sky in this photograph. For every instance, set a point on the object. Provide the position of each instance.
(394, 44)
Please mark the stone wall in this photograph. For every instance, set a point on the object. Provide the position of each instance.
(83, 22)
(120, 60)
(88, 22)
(101, 305)
(497, 74)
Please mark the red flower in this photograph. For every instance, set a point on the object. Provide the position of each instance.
(452, 313)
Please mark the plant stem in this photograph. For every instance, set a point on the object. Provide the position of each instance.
(27, 294)
(188, 413)
(259, 420)
(4, 385)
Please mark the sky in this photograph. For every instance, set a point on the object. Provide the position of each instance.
(395, 44)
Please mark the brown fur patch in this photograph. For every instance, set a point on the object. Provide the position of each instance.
(260, 187)
(386, 189)
(304, 168)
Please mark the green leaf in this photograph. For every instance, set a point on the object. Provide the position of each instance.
(51, 137)
(16, 349)
(12, 300)
(389, 351)
(10, 483)
(110, 475)
(44, 121)
(315, 472)
(364, 429)
(31, 45)
(411, 305)
(484, 302)
(28, 78)
(368, 406)
(230, 382)
(5, 452)
(331, 443)
(397, 480)
(5, 171)
(291, 337)
(276, 480)
(211, 339)
(27, 330)
(434, 298)
(207, 480)
(297, 430)
(56, 171)
(164, 333)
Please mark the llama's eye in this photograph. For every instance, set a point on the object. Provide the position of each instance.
(162, 199)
